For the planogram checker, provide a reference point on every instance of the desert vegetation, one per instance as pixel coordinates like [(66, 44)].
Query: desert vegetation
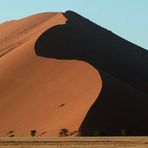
[(124, 132), (33, 133), (11, 133), (99, 133), (64, 132)]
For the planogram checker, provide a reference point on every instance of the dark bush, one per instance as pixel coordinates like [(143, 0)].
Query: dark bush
[(124, 132), (33, 133), (63, 132)]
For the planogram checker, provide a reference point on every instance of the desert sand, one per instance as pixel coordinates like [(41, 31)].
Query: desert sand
[(39, 93), (76, 142), (122, 102), (59, 70)]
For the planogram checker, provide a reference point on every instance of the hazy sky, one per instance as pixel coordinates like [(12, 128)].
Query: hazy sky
[(127, 18)]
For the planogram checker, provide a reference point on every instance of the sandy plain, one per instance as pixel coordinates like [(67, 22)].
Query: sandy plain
[(75, 142)]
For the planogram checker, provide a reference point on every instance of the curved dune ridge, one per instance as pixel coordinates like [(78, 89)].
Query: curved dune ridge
[(123, 100), (17, 32), (59, 70), (38, 93)]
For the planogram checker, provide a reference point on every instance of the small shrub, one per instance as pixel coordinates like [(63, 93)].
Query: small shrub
[(124, 132), (11, 133), (98, 133), (33, 133), (61, 105), (64, 132)]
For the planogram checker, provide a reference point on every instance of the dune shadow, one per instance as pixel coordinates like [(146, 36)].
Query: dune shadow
[(122, 102)]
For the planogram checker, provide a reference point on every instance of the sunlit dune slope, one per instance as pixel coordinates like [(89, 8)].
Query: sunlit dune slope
[(39, 93), (14, 33), (60, 70)]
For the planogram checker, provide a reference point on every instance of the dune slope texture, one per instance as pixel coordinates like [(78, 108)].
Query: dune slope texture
[(38, 93), (123, 100), (59, 70)]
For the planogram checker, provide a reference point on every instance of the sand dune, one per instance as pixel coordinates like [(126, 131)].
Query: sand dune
[(15, 33), (122, 103), (38, 93), (56, 71)]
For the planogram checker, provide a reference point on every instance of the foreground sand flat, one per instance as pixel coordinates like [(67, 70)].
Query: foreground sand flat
[(75, 142)]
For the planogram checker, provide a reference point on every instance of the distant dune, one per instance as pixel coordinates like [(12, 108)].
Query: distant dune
[(59, 70)]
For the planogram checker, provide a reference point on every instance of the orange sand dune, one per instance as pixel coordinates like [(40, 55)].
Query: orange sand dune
[(59, 70), (122, 102), (15, 33), (39, 93)]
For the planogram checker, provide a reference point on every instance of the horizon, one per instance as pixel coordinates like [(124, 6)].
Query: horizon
[(126, 19)]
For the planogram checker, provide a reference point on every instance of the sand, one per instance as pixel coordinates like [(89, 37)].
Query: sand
[(81, 142), (122, 102), (59, 70), (38, 93)]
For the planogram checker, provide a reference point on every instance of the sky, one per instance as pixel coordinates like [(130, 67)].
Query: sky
[(126, 18)]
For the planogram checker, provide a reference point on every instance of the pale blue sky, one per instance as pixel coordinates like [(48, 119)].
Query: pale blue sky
[(127, 18)]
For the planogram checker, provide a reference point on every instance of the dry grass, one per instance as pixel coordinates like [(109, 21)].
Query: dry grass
[(77, 142)]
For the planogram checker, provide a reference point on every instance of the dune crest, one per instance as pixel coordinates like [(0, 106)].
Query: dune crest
[(60, 70), (39, 93), (122, 102), (15, 33)]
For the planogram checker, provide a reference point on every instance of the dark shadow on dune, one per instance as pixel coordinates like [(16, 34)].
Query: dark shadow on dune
[(123, 101)]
